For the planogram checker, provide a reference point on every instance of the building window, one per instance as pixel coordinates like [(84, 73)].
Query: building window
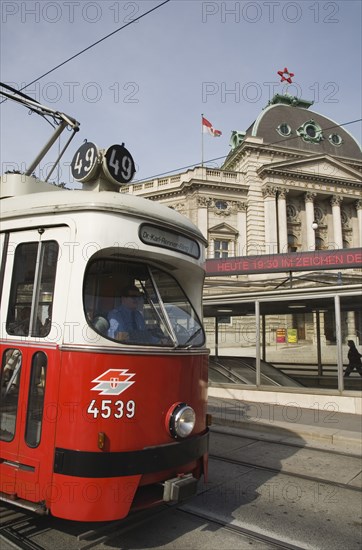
[(292, 243), (221, 205), (284, 129), (224, 320), (221, 249), (335, 139), (311, 132)]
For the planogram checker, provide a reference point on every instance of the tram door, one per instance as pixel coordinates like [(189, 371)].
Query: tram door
[(28, 375)]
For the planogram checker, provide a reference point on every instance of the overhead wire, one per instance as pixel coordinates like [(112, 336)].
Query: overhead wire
[(95, 44), (118, 30), (19, 92)]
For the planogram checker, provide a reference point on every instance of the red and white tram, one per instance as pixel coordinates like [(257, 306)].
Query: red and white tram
[(92, 424)]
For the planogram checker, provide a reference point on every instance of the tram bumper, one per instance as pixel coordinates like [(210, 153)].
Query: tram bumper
[(90, 464), (180, 488)]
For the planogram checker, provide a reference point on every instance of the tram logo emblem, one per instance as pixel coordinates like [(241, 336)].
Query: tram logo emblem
[(113, 382)]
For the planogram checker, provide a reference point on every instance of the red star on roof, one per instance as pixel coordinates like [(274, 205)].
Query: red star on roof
[(286, 75)]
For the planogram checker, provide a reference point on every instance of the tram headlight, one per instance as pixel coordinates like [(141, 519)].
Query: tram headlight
[(180, 420)]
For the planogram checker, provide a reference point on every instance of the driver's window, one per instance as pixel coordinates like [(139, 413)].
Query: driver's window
[(133, 303), (122, 304)]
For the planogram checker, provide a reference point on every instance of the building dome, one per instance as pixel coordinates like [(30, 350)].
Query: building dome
[(288, 122)]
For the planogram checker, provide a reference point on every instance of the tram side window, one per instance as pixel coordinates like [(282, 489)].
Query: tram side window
[(32, 289), (34, 416), (9, 387)]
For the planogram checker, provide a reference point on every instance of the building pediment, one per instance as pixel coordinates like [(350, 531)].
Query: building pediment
[(322, 167), (223, 229)]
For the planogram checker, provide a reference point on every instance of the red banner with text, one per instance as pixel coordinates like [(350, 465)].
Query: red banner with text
[(294, 261)]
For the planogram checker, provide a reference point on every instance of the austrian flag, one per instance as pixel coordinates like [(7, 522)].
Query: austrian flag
[(208, 128)]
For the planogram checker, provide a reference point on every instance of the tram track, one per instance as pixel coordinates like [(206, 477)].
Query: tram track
[(244, 532), (16, 531), (282, 469), (27, 531), (13, 530), (19, 542), (284, 473), (104, 536), (247, 535)]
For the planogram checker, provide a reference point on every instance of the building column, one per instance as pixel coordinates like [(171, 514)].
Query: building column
[(309, 219), (351, 327), (337, 221), (202, 215), (241, 244), (282, 221), (270, 217), (359, 217)]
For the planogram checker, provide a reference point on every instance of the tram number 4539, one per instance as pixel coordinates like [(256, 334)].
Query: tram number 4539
[(109, 409)]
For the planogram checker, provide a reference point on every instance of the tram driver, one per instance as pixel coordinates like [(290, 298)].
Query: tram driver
[(126, 322)]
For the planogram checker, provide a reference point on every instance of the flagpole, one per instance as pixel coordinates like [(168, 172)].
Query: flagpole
[(202, 142)]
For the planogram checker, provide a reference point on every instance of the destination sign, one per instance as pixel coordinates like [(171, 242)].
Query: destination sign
[(277, 263), (164, 238)]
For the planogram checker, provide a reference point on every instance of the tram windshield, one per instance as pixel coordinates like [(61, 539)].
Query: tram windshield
[(133, 303)]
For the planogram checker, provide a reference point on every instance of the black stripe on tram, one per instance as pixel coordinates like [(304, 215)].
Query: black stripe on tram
[(146, 461)]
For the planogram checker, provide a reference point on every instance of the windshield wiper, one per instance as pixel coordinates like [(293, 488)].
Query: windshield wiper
[(157, 314), (192, 337)]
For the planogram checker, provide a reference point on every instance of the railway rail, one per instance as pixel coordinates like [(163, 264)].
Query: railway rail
[(17, 535), (204, 516)]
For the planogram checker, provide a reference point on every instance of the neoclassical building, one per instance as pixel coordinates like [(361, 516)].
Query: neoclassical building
[(291, 182), (305, 172)]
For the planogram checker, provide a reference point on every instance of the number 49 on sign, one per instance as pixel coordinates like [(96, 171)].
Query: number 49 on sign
[(118, 164)]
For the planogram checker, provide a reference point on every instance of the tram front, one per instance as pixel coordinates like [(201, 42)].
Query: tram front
[(136, 363), (111, 368), (137, 368)]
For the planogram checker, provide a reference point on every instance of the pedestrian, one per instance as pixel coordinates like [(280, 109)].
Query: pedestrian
[(354, 358)]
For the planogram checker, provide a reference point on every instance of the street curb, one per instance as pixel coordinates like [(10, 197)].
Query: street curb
[(293, 433)]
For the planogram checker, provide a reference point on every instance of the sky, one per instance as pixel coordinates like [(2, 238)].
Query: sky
[(148, 84)]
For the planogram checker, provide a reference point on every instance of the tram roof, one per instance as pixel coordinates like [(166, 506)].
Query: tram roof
[(38, 204)]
